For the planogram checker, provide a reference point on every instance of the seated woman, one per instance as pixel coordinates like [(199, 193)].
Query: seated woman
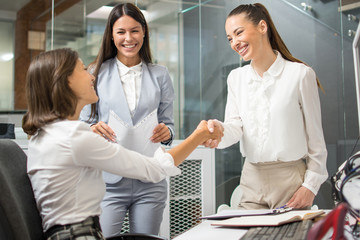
[(66, 159)]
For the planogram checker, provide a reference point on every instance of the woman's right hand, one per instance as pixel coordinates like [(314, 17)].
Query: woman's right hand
[(214, 126), (213, 135), (104, 130)]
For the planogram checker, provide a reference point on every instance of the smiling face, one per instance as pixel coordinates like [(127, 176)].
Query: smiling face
[(128, 37), (244, 37), (81, 83)]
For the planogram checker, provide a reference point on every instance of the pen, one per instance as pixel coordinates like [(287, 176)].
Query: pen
[(282, 209)]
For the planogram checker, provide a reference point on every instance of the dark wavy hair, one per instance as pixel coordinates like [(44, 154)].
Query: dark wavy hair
[(48, 93), (257, 12)]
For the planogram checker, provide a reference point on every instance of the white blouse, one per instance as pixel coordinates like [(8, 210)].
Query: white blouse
[(65, 163), (131, 83), (277, 117)]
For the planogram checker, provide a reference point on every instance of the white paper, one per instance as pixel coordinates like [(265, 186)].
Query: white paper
[(269, 220), (136, 138), (237, 213)]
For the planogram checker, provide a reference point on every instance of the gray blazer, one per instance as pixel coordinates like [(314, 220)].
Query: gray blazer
[(156, 92)]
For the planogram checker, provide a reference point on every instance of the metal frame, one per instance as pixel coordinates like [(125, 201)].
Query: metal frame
[(356, 49), (206, 196)]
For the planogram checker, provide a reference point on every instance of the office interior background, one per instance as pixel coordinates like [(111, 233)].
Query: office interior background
[(188, 37)]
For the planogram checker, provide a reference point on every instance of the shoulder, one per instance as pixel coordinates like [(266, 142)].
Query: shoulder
[(156, 68), (241, 70), (69, 129), (301, 68), (61, 132), (108, 62), (300, 73), (79, 129), (80, 126), (238, 73), (105, 66), (106, 69), (158, 72), (82, 137)]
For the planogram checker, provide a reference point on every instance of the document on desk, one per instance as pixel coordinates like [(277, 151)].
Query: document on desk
[(136, 138), (269, 220), (225, 214)]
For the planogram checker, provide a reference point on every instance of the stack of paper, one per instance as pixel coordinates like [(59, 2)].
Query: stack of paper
[(269, 219)]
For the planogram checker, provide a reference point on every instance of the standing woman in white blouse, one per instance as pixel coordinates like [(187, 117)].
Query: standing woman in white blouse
[(128, 84), (273, 109)]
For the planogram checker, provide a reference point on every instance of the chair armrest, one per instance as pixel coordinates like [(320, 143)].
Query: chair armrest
[(223, 207)]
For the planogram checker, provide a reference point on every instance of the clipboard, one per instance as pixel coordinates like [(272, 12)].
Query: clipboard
[(241, 213)]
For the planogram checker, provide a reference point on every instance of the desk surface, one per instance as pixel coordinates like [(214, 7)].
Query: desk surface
[(204, 231)]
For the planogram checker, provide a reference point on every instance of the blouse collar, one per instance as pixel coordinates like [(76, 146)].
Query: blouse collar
[(274, 70), (125, 69)]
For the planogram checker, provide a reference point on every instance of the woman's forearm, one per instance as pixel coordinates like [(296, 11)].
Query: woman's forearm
[(199, 136), (181, 151)]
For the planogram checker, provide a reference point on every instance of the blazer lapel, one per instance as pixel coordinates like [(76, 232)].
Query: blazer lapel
[(147, 93), (122, 109)]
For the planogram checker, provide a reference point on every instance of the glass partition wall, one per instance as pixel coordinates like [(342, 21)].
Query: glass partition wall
[(6, 65), (189, 38)]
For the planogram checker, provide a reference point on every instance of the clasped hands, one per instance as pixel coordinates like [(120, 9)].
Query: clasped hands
[(216, 132)]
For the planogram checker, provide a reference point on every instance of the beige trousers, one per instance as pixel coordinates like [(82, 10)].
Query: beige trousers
[(270, 185)]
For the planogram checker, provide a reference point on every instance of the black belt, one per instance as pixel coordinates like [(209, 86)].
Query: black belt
[(76, 229)]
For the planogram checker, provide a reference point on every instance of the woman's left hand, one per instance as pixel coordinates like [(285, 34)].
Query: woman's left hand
[(161, 133), (302, 198)]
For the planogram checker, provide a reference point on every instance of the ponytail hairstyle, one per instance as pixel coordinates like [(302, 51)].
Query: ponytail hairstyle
[(257, 12), (108, 49), (48, 93)]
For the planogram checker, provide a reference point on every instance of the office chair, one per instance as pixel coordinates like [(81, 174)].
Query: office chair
[(324, 199), (137, 236), (234, 200), (19, 216)]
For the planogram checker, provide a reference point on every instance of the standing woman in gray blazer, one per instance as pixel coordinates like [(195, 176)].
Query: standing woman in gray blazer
[(129, 84)]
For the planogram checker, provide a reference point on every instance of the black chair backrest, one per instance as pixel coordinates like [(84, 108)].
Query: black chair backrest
[(19, 216)]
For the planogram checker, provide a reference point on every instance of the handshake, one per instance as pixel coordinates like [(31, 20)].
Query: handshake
[(212, 132)]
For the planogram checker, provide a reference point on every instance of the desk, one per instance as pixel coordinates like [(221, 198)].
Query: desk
[(204, 231)]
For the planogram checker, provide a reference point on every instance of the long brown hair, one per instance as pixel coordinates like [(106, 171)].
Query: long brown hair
[(48, 93), (108, 49), (257, 12)]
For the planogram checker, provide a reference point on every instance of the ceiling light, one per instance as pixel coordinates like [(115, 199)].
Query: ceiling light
[(6, 57), (100, 13), (104, 11)]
